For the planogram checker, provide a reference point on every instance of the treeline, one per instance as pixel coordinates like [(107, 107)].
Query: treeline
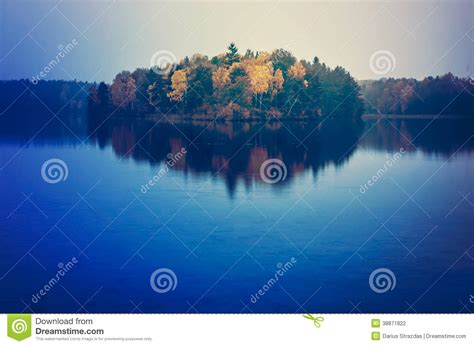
[(51, 95), (31, 109), (233, 86), (447, 94)]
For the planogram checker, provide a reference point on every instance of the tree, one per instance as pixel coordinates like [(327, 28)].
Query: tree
[(260, 78), (123, 89), (406, 95), (260, 73), (232, 54), (277, 82), (179, 85), (200, 86), (220, 77), (297, 71), (157, 94), (143, 77), (282, 60), (103, 94), (249, 54)]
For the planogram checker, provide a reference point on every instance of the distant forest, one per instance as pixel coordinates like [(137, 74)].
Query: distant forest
[(255, 85), (433, 95), (52, 95)]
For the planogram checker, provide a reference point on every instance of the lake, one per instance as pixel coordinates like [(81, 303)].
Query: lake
[(340, 203)]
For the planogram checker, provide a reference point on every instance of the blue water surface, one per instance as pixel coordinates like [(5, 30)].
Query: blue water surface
[(225, 233)]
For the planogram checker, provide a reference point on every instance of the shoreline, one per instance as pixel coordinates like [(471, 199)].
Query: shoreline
[(173, 118), (371, 116)]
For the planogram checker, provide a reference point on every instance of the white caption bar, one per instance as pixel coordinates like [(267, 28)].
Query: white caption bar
[(238, 329)]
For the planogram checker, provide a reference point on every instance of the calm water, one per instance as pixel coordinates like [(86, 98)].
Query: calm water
[(223, 231)]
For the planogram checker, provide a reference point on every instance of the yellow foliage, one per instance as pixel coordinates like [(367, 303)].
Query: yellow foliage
[(260, 78), (179, 84), (220, 77), (260, 73), (263, 58), (277, 81), (297, 71)]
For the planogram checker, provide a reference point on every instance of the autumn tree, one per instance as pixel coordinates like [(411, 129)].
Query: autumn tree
[(260, 73), (220, 77), (297, 71), (123, 90), (260, 78), (179, 85), (277, 82)]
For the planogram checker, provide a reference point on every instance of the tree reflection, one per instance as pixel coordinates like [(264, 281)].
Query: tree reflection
[(232, 150)]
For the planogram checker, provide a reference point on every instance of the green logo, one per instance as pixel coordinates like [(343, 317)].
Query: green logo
[(316, 320), (375, 323), (375, 336), (19, 326)]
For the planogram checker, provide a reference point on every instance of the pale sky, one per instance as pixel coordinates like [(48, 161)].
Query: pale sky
[(424, 37)]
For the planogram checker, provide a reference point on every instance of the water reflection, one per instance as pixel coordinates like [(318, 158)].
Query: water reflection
[(234, 151), (329, 225), (441, 137)]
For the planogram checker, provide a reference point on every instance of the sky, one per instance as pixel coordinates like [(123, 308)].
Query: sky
[(415, 38)]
